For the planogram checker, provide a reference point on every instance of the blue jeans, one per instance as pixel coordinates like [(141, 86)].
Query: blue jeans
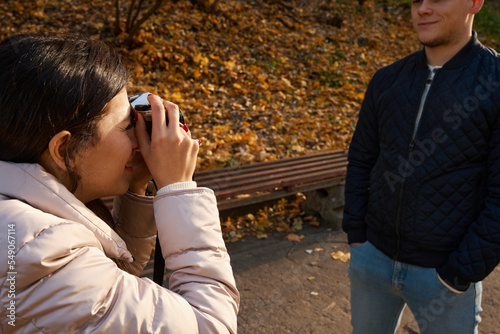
[(382, 287)]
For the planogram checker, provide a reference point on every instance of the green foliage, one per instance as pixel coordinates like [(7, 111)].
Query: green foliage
[(487, 22)]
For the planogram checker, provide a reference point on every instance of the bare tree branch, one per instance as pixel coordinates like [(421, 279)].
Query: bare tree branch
[(128, 25), (117, 17), (136, 15), (137, 24)]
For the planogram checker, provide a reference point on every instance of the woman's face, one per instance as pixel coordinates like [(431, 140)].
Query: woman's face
[(106, 168)]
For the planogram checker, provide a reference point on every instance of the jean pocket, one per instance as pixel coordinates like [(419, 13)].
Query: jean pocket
[(358, 245), (442, 283), (360, 258)]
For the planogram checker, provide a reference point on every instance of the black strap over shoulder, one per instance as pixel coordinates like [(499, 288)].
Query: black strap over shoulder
[(159, 264)]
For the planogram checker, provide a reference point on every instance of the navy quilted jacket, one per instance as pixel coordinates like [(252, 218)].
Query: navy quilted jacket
[(428, 193)]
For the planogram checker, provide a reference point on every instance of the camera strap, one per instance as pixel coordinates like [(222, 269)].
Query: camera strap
[(159, 264), (159, 261)]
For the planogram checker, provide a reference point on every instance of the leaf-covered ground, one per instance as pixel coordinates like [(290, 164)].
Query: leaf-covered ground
[(256, 80), (259, 80)]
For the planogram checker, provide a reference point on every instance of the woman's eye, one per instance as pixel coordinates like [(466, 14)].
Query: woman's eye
[(132, 119)]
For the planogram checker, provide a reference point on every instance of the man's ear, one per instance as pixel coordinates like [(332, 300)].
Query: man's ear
[(476, 6), (57, 148)]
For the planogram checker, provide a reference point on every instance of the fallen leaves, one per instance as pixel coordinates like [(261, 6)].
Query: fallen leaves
[(336, 255), (317, 249), (331, 306), (294, 237), (284, 216), (341, 256)]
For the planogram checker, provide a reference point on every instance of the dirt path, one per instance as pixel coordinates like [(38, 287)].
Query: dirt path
[(289, 287)]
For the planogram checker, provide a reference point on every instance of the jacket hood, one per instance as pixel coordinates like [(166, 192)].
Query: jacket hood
[(30, 183)]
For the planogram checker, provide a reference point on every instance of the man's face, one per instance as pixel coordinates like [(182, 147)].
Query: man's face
[(443, 22)]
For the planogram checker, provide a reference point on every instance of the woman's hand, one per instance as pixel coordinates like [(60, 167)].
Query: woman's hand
[(170, 153), (140, 176)]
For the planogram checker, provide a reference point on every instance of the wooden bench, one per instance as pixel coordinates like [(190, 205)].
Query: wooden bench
[(265, 181)]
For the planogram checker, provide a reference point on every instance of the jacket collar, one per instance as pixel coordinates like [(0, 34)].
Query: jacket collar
[(40, 189), (461, 58)]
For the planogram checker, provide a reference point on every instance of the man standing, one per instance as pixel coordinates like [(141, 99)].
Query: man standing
[(422, 209)]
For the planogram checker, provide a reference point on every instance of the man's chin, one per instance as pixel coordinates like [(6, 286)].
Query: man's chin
[(432, 43), (431, 40)]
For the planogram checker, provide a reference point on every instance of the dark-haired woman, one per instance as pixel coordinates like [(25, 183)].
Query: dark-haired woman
[(68, 137)]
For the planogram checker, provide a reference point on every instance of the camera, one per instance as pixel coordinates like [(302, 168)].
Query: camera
[(141, 104)]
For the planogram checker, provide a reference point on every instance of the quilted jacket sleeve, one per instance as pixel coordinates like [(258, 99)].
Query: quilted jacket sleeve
[(479, 252), (134, 216), (195, 252), (363, 153)]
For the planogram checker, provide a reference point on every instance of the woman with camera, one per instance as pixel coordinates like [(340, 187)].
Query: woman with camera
[(68, 137)]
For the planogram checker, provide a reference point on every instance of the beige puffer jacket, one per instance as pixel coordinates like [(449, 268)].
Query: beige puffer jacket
[(57, 276)]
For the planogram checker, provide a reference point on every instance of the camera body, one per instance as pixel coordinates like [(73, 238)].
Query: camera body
[(141, 104)]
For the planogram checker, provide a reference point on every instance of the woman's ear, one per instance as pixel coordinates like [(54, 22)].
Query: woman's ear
[(57, 148)]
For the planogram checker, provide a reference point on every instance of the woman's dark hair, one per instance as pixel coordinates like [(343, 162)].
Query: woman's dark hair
[(50, 83)]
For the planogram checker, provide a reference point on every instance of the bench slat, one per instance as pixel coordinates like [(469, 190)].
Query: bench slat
[(235, 174), (273, 179), (290, 172), (271, 183), (204, 176), (236, 202)]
